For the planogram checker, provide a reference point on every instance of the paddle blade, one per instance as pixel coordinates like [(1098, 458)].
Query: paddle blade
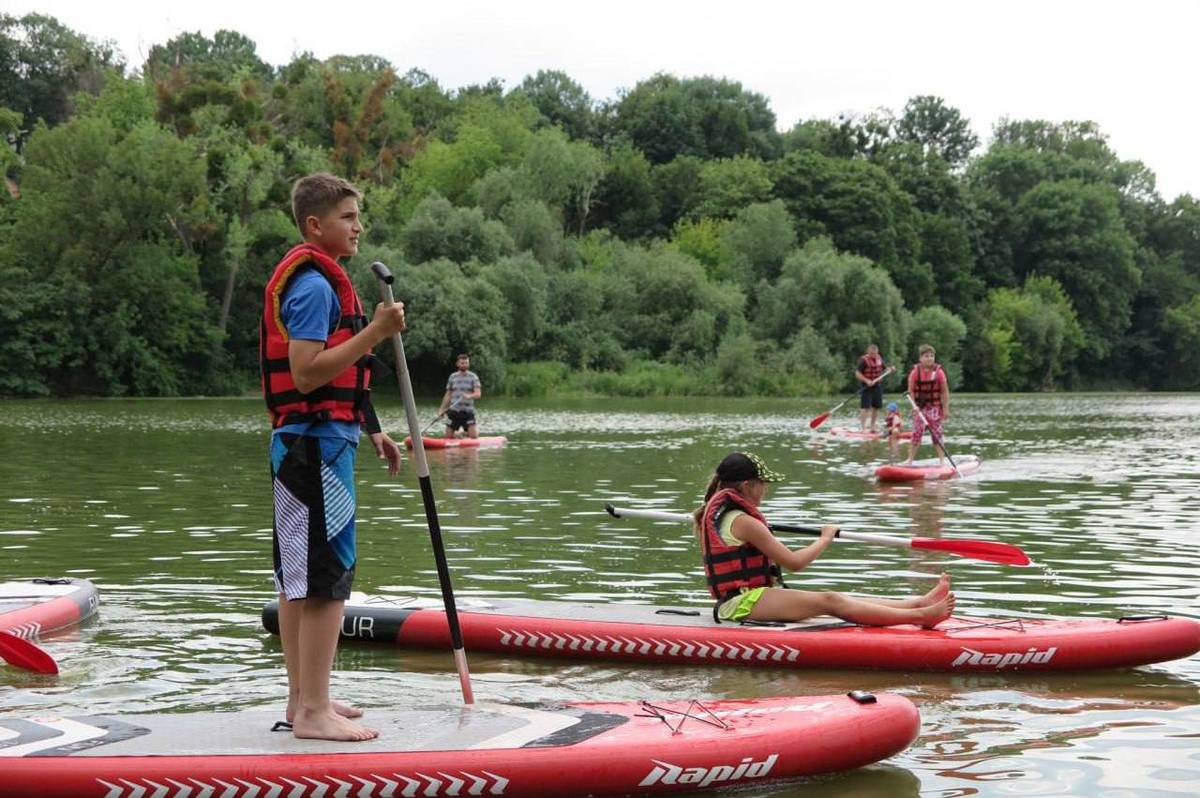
[(818, 421), (23, 654), (988, 551)]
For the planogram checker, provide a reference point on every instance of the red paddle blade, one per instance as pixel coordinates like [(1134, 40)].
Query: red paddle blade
[(988, 551), (818, 421), (23, 654)]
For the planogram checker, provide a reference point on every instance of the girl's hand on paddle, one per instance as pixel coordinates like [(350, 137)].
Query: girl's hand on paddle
[(828, 532), (387, 449)]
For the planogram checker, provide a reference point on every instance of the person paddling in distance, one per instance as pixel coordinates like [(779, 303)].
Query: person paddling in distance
[(870, 372), (742, 558), (930, 390), (316, 374), (458, 403)]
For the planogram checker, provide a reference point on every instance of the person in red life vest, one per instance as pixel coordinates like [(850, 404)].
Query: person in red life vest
[(315, 348), (930, 390), (870, 372), (742, 559)]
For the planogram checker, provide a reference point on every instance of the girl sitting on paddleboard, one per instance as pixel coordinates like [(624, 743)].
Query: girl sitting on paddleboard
[(742, 559)]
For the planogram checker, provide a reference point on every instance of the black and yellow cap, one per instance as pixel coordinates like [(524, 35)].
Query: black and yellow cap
[(738, 466)]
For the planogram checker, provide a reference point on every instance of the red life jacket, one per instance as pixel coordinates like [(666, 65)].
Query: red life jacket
[(870, 366), (731, 568), (927, 392), (342, 398)]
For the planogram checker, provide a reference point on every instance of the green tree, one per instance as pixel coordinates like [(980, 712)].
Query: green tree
[(625, 200), (757, 240), (43, 65), (220, 58), (730, 184), (944, 331), (1027, 337), (845, 298), (561, 102), (937, 128), (437, 229)]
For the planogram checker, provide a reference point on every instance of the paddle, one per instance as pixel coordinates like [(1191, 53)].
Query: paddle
[(439, 415), (986, 550), (937, 439), (435, 530), (821, 419), (21, 653)]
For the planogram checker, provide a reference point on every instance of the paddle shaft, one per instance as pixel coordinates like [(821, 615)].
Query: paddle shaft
[(819, 420), (938, 439), (986, 550), (435, 530)]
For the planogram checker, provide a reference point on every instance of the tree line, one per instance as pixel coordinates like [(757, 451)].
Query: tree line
[(671, 240)]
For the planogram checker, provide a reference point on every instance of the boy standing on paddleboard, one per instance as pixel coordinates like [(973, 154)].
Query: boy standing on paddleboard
[(929, 389), (315, 346)]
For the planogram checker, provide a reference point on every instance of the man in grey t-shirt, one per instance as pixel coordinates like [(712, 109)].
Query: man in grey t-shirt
[(458, 404)]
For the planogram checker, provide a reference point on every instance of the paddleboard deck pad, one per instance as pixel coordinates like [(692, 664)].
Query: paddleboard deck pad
[(30, 608), (921, 470), (569, 749), (688, 635), (458, 443)]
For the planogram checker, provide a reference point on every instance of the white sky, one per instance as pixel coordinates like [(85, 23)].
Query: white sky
[(1130, 66)]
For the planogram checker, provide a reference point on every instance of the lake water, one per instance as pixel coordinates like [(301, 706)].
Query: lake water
[(165, 505)]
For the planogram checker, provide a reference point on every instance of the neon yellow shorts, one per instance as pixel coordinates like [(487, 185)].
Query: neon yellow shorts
[(737, 608)]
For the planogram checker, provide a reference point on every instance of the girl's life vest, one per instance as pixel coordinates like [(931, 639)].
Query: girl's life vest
[(870, 366), (927, 388), (894, 421), (730, 569), (343, 397)]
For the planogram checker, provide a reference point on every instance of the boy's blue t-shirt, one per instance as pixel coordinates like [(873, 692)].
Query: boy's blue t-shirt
[(310, 310)]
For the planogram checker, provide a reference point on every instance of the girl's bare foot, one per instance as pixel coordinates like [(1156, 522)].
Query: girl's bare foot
[(329, 726), (937, 612), (941, 589), (345, 710)]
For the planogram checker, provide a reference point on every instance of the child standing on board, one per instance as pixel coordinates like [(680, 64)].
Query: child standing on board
[(316, 357), (742, 559), (929, 389)]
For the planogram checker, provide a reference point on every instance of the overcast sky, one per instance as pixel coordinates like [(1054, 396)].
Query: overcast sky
[(1130, 66)]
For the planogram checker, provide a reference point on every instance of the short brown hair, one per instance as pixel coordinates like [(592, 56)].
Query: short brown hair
[(923, 348), (317, 194)]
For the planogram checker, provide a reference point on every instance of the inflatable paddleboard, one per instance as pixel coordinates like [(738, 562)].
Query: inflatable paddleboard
[(544, 751), (32, 607), (458, 443), (860, 435), (928, 469), (688, 635)]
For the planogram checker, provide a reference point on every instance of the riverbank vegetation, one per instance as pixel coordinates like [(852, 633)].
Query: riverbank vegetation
[(670, 240)]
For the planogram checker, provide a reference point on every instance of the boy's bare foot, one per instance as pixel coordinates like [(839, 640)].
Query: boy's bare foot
[(329, 726), (937, 612), (345, 710)]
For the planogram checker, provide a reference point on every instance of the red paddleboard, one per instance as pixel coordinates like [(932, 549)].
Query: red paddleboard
[(458, 443), (922, 470), (857, 434), (32, 607), (558, 750), (689, 636)]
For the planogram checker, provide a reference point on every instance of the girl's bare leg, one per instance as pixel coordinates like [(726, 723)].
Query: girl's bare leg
[(779, 604)]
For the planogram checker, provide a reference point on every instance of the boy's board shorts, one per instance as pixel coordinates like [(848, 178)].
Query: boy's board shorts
[(738, 608), (872, 397), (934, 414), (459, 419), (313, 541)]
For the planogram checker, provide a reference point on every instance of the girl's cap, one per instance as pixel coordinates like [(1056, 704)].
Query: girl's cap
[(738, 466), (892, 408)]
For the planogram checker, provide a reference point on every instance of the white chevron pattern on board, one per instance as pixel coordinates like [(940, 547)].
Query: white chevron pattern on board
[(368, 785), (28, 631), (605, 644)]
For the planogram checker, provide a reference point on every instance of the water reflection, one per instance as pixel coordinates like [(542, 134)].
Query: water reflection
[(165, 504)]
